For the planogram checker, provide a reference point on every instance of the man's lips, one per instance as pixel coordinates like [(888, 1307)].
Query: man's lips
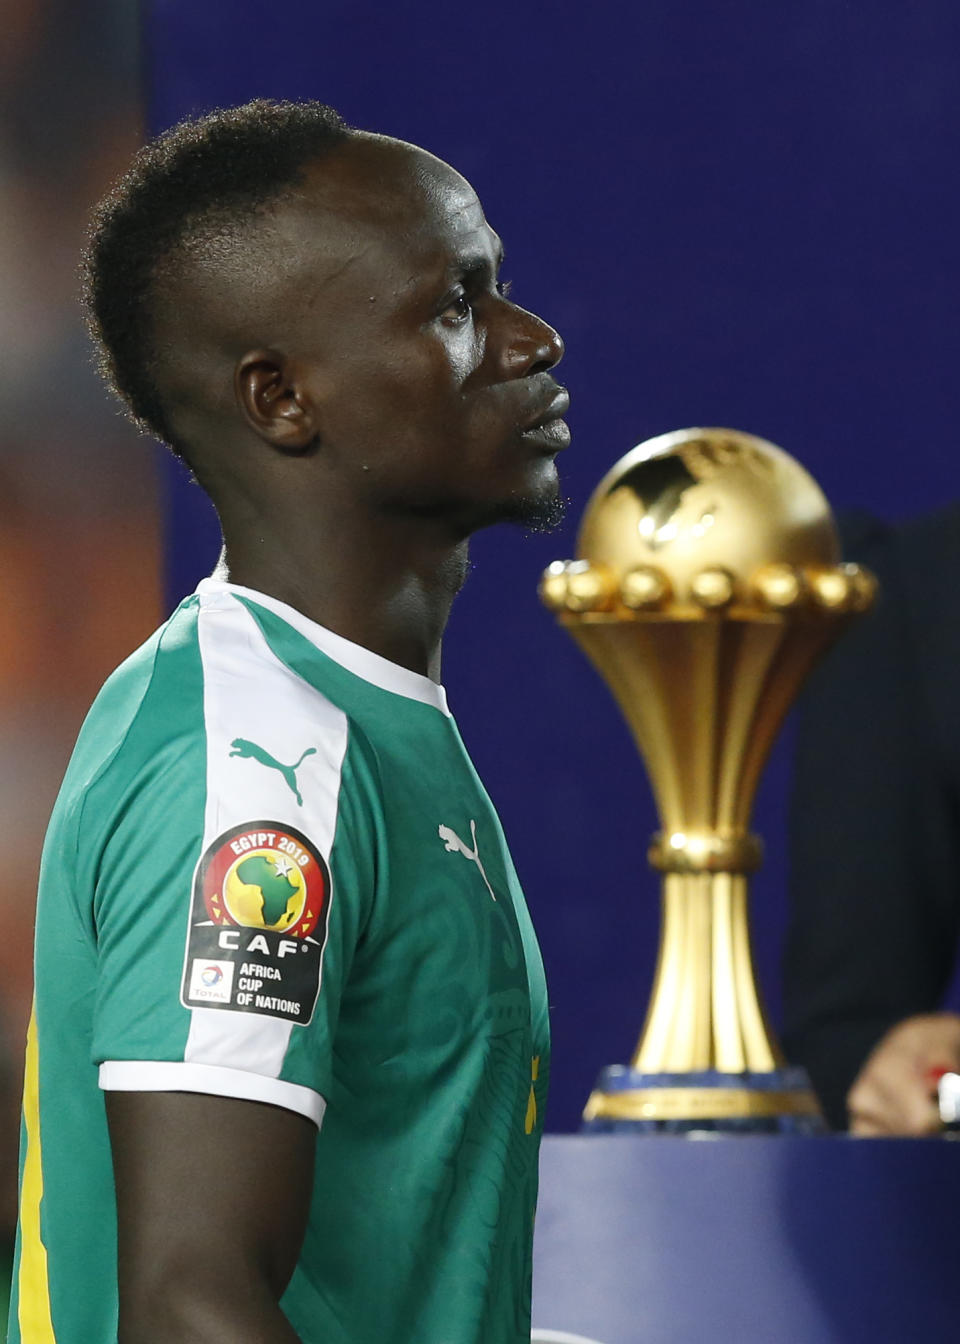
[(556, 406), (551, 437)]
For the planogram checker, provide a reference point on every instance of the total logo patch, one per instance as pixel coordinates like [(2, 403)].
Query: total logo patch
[(211, 981), (258, 924)]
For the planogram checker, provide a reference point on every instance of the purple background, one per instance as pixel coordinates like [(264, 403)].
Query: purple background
[(740, 215)]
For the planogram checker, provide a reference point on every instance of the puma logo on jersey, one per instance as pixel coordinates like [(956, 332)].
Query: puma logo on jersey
[(454, 845), (250, 750)]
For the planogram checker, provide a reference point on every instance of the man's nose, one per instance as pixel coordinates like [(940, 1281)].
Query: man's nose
[(532, 346)]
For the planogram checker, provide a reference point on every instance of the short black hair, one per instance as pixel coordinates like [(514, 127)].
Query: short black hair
[(214, 169)]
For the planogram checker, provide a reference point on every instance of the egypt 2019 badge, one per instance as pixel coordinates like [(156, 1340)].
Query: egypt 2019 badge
[(258, 923)]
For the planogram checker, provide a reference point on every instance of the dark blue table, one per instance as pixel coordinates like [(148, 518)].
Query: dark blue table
[(748, 1240)]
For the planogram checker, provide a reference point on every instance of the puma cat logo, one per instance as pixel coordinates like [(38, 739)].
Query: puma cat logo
[(454, 845), (250, 750)]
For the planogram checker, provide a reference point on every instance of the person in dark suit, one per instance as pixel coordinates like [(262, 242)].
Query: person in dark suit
[(875, 841)]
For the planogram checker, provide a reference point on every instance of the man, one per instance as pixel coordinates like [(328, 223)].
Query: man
[(275, 897), (875, 854)]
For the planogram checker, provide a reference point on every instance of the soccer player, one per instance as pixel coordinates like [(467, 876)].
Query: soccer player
[(286, 1071)]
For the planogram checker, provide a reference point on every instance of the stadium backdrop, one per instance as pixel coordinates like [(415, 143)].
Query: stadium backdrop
[(740, 214)]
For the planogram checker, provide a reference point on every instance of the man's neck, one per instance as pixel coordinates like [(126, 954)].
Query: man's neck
[(390, 592)]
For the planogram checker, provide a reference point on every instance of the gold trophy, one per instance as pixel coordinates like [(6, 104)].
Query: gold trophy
[(706, 586)]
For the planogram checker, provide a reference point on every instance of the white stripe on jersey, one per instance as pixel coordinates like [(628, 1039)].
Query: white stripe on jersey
[(249, 693)]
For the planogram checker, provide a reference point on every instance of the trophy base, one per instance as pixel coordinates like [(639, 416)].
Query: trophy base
[(629, 1102)]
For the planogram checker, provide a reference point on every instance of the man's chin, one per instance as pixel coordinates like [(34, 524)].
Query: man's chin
[(535, 513), (537, 507), (534, 502)]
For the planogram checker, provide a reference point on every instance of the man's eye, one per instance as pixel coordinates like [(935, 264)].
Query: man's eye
[(457, 310)]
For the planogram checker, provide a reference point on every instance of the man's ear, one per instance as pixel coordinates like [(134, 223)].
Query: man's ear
[(274, 401)]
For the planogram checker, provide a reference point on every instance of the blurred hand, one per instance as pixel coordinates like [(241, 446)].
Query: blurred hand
[(895, 1092)]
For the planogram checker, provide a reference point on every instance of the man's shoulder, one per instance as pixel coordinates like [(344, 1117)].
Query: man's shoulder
[(910, 638), (139, 727), (885, 545), (155, 694)]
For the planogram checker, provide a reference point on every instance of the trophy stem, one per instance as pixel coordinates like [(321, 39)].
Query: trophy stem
[(705, 1012), (706, 1058)]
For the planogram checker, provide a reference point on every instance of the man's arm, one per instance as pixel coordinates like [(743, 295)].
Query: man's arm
[(212, 1202), (875, 844)]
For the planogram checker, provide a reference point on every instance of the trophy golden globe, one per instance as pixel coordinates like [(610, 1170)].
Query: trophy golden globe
[(707, 584)]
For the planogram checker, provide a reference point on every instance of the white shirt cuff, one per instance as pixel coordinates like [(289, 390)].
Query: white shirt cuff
[(139, 1075)]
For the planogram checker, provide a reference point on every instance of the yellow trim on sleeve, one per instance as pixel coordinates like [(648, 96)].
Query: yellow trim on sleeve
[(36, 1325), (531, 1117)]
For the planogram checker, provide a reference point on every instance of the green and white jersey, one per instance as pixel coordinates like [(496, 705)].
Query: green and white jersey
[(272, 873)]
